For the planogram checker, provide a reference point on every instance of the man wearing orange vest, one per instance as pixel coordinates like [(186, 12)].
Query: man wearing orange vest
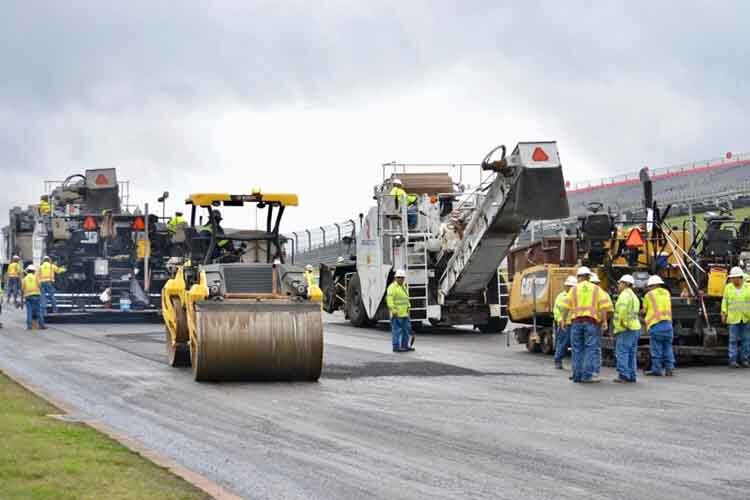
[(31, 290), (735, 313), (587, 307), (47, 273), (657, 309)]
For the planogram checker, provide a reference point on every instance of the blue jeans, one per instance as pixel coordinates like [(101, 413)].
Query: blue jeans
[(48, 291), (583, 339), (562, 342), (411, 216), (400, 332), (662, 354), (33, 308), (739, 333), (14, 289), (598, 354), (626, 345)]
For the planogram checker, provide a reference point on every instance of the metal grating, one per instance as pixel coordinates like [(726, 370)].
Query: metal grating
[(249, 279)]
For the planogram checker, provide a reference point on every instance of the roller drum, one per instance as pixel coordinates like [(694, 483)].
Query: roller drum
[(257, 340)]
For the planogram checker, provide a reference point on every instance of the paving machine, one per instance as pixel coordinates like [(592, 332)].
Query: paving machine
[(450, 241), (234, 310)]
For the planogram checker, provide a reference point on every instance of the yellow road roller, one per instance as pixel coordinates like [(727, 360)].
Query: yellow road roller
[(234, 310)]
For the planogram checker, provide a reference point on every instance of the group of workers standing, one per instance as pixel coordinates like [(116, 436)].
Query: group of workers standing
[(33, 288), (583, 312)]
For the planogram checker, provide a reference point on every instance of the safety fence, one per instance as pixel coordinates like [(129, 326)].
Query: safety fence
[(323, 244)]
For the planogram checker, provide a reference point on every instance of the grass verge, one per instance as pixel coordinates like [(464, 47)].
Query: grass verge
[(42, 457)]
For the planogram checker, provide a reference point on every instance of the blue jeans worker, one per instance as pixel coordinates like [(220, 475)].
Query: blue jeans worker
[(13, 291), (399, 304), (735, 313), (32, 297), (657, 310), (583, 335), (627, 329), (47, 274)]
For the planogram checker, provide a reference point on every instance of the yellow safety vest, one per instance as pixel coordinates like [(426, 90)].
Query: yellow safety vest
[(310, 278), (397, 300), (411, 199), (31, 285), (47, 272), (658, 306), (174, 222), (626, 312), (44, 207), (736, 304), (14, 270), (587, 300), (558, 311)]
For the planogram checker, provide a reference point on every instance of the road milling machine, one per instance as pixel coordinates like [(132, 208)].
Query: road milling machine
[(693, 260), (450, 240), (234, 310)]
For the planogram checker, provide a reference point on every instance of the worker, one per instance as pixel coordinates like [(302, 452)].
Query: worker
[(397, 300), (735, 313), (175, 222), (222, 245), (310, 275), (585, 306), (604, 327), (31, 291), (627, 329), (403, 197), (562, 338), (13, 274), (657, 311), (48, 271), (44, 208)]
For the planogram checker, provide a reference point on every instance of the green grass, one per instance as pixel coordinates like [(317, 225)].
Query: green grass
[(45, 458)]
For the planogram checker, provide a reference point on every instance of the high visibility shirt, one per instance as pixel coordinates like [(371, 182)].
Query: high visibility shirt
[(735, 304), (206, 228), (14, 270), (397, 191), (310, 278), (397, 300), (626, 312), (44, 208), (557, 310), (47, 272), (657, 305), (174, 222), (30, 285), (586, 300)]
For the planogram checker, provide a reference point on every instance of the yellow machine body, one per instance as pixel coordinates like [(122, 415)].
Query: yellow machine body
[(534, 291)]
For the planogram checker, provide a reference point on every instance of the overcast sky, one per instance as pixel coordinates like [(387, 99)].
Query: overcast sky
[(311, 97)]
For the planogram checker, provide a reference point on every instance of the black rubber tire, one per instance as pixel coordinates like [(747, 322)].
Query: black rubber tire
[(547, 345), (178, 354), (532, 347), (355, 307), (494, 325)]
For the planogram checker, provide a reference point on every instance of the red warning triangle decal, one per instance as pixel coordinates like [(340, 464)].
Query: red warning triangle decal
[(101, 180), (634, 239), (539, 155)]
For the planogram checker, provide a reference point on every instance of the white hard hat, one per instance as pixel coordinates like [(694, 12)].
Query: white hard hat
[(583, 271), (654, 280), (309, 267), (30, 268), (46, 257), (626, 278), (595, 278), (396, 180), (400, 273), (571, 281), (339, 260), (16, 257), (736, 272)]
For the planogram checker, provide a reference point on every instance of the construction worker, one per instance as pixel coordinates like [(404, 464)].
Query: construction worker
[(222, 245), (562, 338), (627, 329), (175, 222), (310, 275), (397, 300), (48, 271), (585, 305), (657, 310), (735, 313), (13, 288), (31, 291), (44, 208), (403, 197), (596, 281)]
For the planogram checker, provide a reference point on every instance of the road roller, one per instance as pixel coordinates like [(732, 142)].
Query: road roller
[(234, 310)]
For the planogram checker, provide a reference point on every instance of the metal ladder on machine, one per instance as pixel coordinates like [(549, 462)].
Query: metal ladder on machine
[(503, 294), (418, 278)]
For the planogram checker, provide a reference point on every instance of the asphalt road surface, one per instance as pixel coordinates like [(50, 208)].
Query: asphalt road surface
[(462, 417)]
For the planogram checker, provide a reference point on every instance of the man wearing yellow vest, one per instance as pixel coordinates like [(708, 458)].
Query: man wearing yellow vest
[(13, 288), (44, 207), (47, 273), (657, 308), (403, 197), (627, 329), (735, 313), (175, 222), (397, 300), (32, 290), (587, 307), (562, 337)]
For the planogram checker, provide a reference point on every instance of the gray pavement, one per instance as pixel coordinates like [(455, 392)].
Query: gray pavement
[(463, 417)]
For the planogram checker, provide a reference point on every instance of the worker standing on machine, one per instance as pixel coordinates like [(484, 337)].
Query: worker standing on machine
[(657, 309), (175, 222), (586, 305), (562, 336), (627, 329), (397, 300), (309, 276), (44, 207), (403, 197), (48, 271), (13, 285), (735, 313), (31, 290)]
